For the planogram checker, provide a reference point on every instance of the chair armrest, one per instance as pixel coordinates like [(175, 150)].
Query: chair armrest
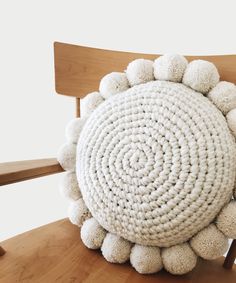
[(12, 172)]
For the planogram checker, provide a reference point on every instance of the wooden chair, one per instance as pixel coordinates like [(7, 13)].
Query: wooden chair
[(54, 253)]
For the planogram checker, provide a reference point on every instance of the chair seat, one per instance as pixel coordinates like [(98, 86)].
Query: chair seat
[(55, 253)]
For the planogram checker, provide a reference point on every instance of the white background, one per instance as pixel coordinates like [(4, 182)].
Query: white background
[(33, 117)]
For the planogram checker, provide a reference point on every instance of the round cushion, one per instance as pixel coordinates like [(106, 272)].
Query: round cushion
[(156, 163)]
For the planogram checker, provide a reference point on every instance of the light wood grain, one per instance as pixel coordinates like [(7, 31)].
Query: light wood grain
[(11, 172), (78, 69), (55, 253)]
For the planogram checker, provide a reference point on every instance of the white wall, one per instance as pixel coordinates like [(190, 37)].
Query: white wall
[(33, 118)]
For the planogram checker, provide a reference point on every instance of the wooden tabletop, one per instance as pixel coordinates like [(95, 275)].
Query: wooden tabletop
[(54, 253)]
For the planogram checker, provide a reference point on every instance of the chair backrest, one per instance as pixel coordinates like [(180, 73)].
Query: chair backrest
[(78, 69)]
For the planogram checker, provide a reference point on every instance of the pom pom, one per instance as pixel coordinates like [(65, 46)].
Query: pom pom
[(226, 221), (170, 67), (115, 249), (179, 259), (231, 120), (146, 259), (92, 234), (90, 102), (78, 212), (210, 243), (140, 71), (223, 95), (201, 76), (113, 83), (67, 156), (69, 186), (74, 128)]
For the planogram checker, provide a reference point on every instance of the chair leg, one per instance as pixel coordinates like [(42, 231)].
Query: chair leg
[(231, 256), (2, 251)]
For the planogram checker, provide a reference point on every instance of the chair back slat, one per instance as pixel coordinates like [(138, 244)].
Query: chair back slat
[(78, 69)]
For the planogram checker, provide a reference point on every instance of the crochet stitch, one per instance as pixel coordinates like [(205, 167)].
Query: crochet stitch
[(151, 165), (155, 164)]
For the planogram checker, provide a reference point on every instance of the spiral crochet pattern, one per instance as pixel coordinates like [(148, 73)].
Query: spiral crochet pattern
[(152, 165), (156, 163)]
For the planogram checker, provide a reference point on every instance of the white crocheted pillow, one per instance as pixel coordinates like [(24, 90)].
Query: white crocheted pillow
[(155, 158)]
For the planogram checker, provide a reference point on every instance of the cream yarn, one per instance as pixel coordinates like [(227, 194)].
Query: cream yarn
[(201, 75), (113, 83), (223, 95), (170, 67), (78, 212), (231, 120), (116, 249), (66, 156), (151, 159), (69, 186), (156, 165), (140, 71), (90, 102), (92, 234), (210, 243), (226, 220), (74, 128), (179, 259), (146, 259)]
